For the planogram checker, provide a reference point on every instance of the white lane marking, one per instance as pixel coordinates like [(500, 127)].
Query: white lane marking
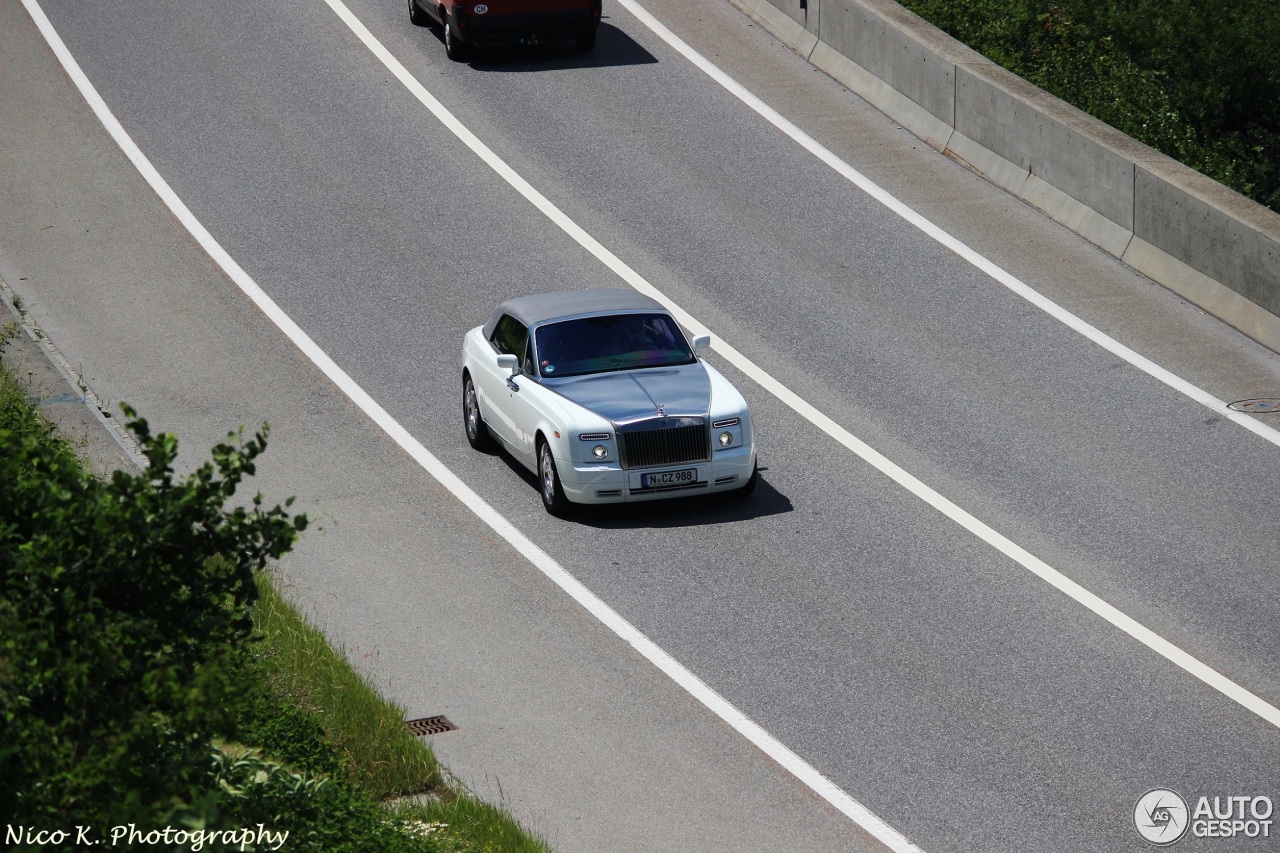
[(873, 457), (712, 700), (988, 267), (718, 705)]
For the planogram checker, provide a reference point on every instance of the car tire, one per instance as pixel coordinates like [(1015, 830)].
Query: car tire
[(585, 43), (454, 47), (743, 493), (472, 423), (417, 15), (553, 498)]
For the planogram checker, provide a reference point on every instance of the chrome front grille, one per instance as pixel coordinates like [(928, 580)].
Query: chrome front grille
[(667, 441)]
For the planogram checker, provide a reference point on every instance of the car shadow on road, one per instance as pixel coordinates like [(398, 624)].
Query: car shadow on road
[(613, 47), (691, 511)]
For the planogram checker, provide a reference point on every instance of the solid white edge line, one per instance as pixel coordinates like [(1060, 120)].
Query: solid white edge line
[(940, 236), (996, 540), (712, 700), (686, 679)]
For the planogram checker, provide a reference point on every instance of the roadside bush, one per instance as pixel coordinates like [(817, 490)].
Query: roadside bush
[(151, 675), (121, 601), (320, 813), (1198, 80)]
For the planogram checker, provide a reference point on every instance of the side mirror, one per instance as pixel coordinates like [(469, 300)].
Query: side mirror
[(700, 342), (508, 362)]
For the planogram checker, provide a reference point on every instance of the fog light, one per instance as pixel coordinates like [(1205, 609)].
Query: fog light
[(600, 451), (726, 439)]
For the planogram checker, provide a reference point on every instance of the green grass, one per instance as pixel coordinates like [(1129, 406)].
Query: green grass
[(368, 734), (367, 731), (472, 825), (313, 747)]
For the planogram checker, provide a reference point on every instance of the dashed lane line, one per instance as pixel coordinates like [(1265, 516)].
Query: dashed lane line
[(716, 703)]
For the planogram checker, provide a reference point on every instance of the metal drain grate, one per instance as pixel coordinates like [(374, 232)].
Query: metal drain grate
[(1259, 406), (430, 726)]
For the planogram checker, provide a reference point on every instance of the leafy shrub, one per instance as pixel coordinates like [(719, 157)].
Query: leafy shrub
[(1198, 80), (285, 731), (120, 602), (129, 683), (320, 813)]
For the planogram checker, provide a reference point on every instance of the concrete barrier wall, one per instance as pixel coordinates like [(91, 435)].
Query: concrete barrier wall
[(1045, 137), (882, 34), (1205, 242)]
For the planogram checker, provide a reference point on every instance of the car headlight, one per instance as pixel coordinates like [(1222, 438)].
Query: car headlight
[(594, 447), (728, 433)]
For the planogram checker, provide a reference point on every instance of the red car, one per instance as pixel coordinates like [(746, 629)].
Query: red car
[(468, 23)]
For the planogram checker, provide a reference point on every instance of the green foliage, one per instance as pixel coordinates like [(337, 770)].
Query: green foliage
[(10, 328), (8, 332), (324, 814), (368, 732), (130, 682), (311, 710), (120, 601), (287, 732), (1198, 80), (467, 824)]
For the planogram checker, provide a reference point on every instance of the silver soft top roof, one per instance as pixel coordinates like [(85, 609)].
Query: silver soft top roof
[(541, 307)]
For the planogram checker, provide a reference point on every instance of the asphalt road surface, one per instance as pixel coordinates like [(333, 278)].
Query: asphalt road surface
[(965, 701)]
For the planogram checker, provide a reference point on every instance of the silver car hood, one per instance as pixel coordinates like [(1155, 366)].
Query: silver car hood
[(632, 395)]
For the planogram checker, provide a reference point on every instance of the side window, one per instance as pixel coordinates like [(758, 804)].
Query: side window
[(509, 336)]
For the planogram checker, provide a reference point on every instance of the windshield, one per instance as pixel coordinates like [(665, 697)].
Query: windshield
[(614, 342)]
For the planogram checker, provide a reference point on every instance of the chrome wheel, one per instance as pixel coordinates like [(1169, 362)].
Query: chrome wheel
[(552, 493), (472, 412), (548, 475), (472, 424)]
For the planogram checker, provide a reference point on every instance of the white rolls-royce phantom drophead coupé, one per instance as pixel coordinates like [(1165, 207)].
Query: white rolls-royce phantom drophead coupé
[(600, 395)]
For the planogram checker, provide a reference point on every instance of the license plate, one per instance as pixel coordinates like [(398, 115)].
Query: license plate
[(669, 478)]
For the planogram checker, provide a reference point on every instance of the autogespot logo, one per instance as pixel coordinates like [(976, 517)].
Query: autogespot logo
[(1161, 816)]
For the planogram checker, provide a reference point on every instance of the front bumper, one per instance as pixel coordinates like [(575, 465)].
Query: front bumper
[(606, 484)]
